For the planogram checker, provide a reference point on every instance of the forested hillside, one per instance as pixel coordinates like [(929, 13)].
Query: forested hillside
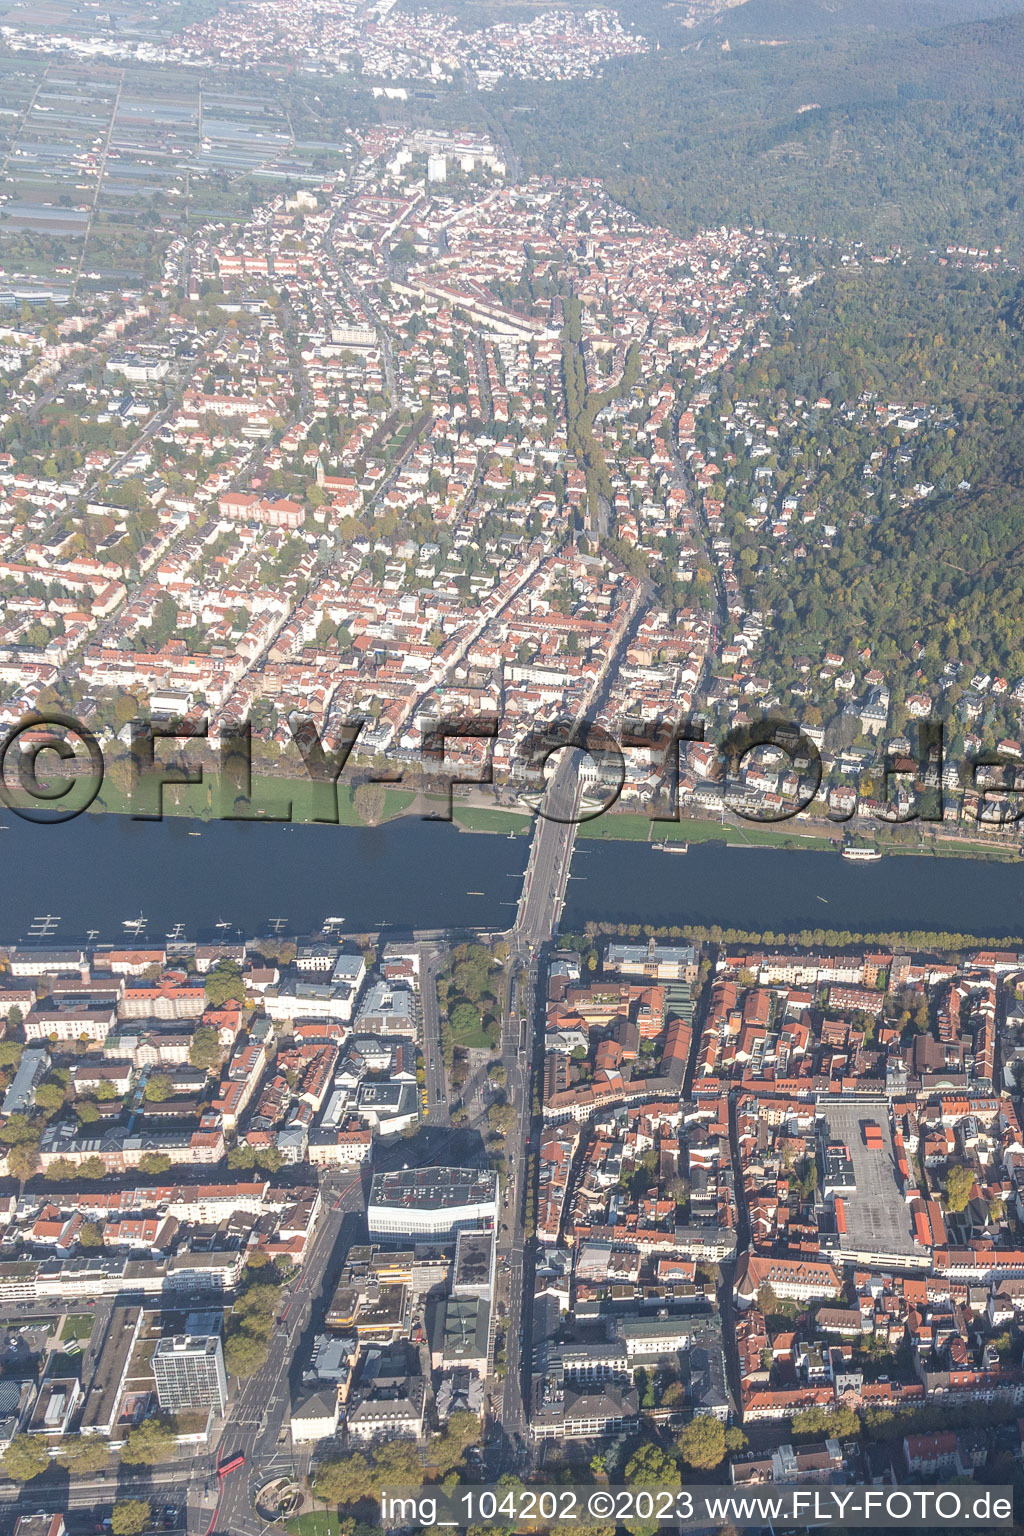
[(915, 541), (889, 138), (790, 19)]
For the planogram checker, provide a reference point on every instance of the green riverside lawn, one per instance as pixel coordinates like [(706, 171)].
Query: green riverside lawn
[(311, 803), (270, 798)]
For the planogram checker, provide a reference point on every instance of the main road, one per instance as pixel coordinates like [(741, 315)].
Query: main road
[(432, 960), (257, 1423), (512, 1255), (547, 869), (536, 924)]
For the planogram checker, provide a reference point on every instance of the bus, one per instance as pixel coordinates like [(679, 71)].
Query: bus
[(231, 1465)]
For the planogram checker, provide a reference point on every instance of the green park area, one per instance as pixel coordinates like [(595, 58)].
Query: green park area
[(272, 799), (478, 819), (77, 1327), (632, 827), (470, 992), (315, 1522), (298, 800)]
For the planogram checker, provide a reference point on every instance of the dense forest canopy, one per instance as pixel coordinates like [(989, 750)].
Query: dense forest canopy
[(790, 19), (926, 582), (877, 137)]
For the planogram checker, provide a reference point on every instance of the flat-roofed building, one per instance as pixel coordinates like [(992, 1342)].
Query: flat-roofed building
[(301, 996), (113, 1358), (419, 1204), (474, 1264), (189, 1372), (387, 1108), (55, 1406), (39, 1525)]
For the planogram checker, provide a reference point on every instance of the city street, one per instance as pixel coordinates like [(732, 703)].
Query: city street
[(261, 1409), (432, 961), (536, 924)]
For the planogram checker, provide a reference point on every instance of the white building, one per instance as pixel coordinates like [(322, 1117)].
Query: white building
[(189, 1371), (430, 1204), (315, 1415)]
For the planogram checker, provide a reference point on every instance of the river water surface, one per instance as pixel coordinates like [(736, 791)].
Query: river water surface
[(98, 872)]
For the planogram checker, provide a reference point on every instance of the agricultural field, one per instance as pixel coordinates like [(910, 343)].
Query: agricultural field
[(102, 166)]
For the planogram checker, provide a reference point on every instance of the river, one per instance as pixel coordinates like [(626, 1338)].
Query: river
[(762, 889), (99, 871)]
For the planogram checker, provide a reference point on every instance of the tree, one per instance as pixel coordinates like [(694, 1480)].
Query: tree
[(92, 1168), (204, 1050), (582, 1527), (23, 1160), (501, 1118), (159, 1088), (154, 1163), (702, 1442), (347, 1481), (126, 707), (150, 1442), (18, 1129), (650, 1467), (369, 803), (130, 1517), (257, 1305), (959, 1183), (461, 1431), (244, 1354), (397, 1464), (465, 1018), (50, 1096), (83, 1454), (224, 984), (90, 1234), (25, 1458), (678, 1189), (767, 1301), (832, 1423), (62, 1168)]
